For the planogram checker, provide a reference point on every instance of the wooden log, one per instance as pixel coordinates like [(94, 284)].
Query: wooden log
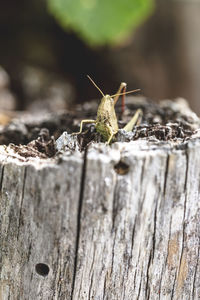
[(113, 222), (39, 204)]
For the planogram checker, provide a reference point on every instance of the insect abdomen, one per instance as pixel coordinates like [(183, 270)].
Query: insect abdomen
[(103, 129)]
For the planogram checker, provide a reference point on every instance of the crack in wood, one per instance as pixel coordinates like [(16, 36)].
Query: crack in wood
[(132, 240), (181, 272), (1, 180), (91, 272), (140, 284), (21, 202), (147, 288), (79, 220), (104, 287), (160, 282), (187, 168), (154, 228), (166, 174), (169, 237), (114, 207), (113, 254), (90, 286), (142, 172), (173, 287), (58, 282), (195, 271)]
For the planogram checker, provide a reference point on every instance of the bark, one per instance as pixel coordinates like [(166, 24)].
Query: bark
[(119, 222)]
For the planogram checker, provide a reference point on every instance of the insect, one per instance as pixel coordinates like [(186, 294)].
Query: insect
[(106, 122)]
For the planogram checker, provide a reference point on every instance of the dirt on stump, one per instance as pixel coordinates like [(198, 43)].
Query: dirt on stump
[(32, 136)]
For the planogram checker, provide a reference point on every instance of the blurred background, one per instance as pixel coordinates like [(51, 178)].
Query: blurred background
[(48, 47)]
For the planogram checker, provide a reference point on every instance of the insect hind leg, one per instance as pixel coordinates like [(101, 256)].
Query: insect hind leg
[(133, 121), (123, 85)]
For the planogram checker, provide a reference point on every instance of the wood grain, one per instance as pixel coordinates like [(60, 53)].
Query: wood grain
[(115, 222)]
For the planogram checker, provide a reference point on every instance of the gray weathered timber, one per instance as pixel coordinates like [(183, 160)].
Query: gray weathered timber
[(120, 222), (38, 210), (140, 232)]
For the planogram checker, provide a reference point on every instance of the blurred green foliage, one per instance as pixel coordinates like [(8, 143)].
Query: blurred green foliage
[(101, 22)]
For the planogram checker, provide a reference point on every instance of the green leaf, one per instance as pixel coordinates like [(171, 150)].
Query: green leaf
[(101, 22)]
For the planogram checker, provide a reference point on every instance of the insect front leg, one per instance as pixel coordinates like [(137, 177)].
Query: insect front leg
[(112, 133), (133, 121), (81, 126)]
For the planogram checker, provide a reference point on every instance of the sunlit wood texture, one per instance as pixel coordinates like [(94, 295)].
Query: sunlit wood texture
[(119, 222)]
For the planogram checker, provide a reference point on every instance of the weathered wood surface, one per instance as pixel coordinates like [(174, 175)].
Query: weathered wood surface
[(139, 239), (39, 204), (119, 222)]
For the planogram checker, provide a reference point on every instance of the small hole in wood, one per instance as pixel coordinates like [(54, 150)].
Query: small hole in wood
[(42, 269), (121, 168)]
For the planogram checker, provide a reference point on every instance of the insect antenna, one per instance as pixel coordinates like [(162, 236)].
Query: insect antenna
[(129, 92), (96, 86)]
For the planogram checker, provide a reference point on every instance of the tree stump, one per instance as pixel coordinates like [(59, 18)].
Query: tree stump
[(110, 222)]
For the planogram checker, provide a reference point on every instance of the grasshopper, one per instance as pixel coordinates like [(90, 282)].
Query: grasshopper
[(106, 122)]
